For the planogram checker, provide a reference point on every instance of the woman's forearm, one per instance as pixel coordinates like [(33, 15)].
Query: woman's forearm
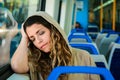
[(19, 61)]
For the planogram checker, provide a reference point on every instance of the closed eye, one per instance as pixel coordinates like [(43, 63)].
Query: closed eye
[(41, 32)]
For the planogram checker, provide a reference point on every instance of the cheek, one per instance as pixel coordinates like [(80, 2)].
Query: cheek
[(36, 45), (48, 38)]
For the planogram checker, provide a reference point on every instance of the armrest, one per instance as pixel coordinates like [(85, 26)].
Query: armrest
[(16, 76)]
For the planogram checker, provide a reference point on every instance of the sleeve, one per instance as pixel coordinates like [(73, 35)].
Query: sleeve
[(93, 76), (83, 58), (87, 60)]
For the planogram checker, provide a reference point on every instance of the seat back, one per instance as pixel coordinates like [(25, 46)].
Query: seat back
[(114, 61), (105, 43), (79, 38), (80, 69), (90, 47), (99, 38), (107, 30), (100, 61)]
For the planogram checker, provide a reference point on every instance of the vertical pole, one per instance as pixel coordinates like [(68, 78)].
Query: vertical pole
[(101, 15), (114, 15)]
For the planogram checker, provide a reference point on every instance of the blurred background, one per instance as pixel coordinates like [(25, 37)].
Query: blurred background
[(98, 19)]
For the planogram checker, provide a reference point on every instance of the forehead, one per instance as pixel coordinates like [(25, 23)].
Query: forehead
[(34, 28)]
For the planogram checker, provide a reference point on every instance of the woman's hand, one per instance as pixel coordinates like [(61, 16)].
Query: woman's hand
[(23, 32), (24, 35)]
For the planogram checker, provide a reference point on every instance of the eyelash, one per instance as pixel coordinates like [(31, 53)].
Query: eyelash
[(39, 33), (42, 32)]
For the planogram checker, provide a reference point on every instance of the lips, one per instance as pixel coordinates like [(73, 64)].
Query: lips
[(43, 46)]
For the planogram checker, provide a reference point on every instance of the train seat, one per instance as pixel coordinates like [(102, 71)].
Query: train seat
[(105, 73), (90, 47), (105, 43), (114, 61), (100, 61)]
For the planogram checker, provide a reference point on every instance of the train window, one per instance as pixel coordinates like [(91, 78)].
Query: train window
[(2, 20), (6, 24), (18, 8), (5, 20)]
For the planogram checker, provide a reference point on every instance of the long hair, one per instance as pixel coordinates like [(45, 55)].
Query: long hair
[(60, 54)]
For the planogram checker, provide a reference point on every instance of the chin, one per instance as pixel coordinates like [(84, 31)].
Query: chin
[(46, 51)]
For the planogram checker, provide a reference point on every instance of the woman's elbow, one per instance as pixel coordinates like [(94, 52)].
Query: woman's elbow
[(19, 69)]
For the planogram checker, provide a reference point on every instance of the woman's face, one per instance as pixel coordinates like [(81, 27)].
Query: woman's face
[(40, 36)]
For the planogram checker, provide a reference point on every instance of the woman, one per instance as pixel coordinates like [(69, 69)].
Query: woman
[(44, 46)]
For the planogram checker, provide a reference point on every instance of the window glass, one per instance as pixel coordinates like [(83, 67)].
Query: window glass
[(18, 8), (10, 11)]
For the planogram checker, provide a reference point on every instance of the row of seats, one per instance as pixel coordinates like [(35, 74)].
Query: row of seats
[(82, 40), (102, 49), (100, 45), (108, 44), (87, 45)]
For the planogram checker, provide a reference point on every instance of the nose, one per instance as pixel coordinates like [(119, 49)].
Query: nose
[(38, 39)]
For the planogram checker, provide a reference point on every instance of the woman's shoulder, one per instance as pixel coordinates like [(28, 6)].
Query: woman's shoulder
[(81, 57), (81, 52)]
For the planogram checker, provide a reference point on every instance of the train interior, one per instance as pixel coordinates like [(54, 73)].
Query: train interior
[(99, 33)]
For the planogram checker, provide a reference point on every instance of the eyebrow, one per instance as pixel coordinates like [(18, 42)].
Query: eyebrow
[(36, 33)]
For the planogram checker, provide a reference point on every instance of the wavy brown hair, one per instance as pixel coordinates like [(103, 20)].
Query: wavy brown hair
[(60, 54)]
